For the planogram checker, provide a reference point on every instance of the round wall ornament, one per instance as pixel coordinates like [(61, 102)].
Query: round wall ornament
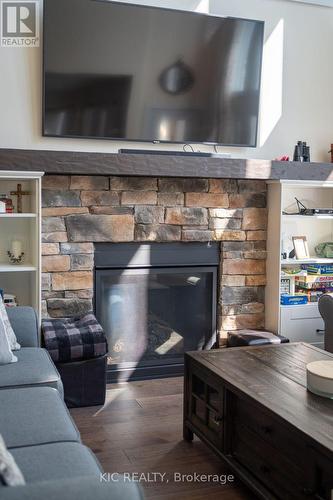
[(177, 78)]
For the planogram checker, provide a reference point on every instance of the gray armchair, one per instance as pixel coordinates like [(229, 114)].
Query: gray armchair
[(325, 305)]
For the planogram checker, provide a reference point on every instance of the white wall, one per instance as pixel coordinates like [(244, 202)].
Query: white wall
[(297, 95)]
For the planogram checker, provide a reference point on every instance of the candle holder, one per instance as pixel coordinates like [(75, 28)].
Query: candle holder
[(15, 260)]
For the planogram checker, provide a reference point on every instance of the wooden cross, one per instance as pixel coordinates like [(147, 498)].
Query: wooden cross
[(19, 193)]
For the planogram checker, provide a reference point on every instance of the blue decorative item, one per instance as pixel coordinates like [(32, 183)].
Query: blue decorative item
[(293, 300)]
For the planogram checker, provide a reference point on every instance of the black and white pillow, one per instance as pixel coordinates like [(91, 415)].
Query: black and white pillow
[(10, 474), (6, 355), (14, 345), (74, 339)]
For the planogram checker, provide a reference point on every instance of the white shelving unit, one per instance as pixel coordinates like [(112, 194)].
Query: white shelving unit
[(22, 280), (302, 322)]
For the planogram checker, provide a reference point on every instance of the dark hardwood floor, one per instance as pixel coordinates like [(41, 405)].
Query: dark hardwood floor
[(139, 429)]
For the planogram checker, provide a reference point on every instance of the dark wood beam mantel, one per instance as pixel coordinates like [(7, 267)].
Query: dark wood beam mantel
[(86, 163)]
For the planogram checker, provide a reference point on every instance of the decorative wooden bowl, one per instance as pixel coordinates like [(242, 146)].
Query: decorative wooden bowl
[(320, 378)]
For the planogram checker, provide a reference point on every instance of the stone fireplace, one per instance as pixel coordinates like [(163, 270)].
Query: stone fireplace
[(80, 211)]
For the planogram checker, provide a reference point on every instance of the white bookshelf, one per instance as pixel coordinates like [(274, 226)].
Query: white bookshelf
[(22, 280), (301, 322)]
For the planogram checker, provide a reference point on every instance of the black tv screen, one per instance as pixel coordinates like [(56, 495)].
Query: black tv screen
[(129, 72)]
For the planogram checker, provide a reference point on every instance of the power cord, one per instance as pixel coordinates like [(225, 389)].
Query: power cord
[(301, 208), (191, 148), (188, 147)]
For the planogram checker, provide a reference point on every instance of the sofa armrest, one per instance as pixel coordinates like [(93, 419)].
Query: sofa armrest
[(84, 488), (25, 325)]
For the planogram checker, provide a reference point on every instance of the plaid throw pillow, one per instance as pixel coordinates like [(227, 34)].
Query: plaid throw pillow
[(74, 339)]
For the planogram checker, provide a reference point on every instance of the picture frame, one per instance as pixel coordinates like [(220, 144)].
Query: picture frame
[(301, 247)]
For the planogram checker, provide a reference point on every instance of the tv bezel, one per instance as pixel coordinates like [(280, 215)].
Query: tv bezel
[(155, 141)]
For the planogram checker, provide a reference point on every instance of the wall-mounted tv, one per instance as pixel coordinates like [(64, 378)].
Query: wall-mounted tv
[(136, 73)]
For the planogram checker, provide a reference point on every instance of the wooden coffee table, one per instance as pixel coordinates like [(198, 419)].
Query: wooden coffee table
[(251, 406)]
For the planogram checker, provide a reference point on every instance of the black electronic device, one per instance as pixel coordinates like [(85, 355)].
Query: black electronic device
[(165, 152), (302, 152), (323, 211), (137, 73), (303, 210)]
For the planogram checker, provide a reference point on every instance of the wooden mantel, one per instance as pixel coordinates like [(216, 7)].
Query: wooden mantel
[(85, 163)]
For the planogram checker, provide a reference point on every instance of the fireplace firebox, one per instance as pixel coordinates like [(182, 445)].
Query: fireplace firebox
[(155, 302)]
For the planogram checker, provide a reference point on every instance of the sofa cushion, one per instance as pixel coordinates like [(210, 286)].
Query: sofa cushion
[(33, 416), (55, 461), (34, 368), (83, 488)]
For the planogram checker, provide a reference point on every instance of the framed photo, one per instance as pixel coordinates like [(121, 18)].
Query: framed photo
[(301, 247)]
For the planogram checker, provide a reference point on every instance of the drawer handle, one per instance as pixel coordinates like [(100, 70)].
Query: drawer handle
[(267, 430), (264, 469), (308, 492)]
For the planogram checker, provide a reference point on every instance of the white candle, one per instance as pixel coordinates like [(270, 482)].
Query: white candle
[(16, 248)]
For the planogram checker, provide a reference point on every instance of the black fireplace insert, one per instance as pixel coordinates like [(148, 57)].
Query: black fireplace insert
[(155, 302)]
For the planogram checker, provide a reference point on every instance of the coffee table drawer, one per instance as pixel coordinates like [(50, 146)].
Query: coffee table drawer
[(281, 476), (268, 428)]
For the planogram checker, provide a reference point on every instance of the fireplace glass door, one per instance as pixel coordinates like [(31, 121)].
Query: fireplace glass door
[(151, 316)]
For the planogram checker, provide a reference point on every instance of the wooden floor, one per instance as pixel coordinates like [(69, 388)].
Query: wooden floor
[(139, 429)]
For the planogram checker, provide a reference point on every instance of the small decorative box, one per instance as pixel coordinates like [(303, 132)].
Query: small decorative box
[(320, 378), (293, 300)]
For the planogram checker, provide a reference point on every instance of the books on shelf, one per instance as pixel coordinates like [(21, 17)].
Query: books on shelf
[(305, 284)]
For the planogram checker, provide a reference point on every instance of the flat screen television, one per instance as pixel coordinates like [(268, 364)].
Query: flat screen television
[(136, 73)]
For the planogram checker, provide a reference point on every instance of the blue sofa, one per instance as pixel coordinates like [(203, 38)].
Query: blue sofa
[(39, 431)]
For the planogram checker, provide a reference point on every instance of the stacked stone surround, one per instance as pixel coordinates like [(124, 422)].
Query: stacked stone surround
[(81, 210)]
